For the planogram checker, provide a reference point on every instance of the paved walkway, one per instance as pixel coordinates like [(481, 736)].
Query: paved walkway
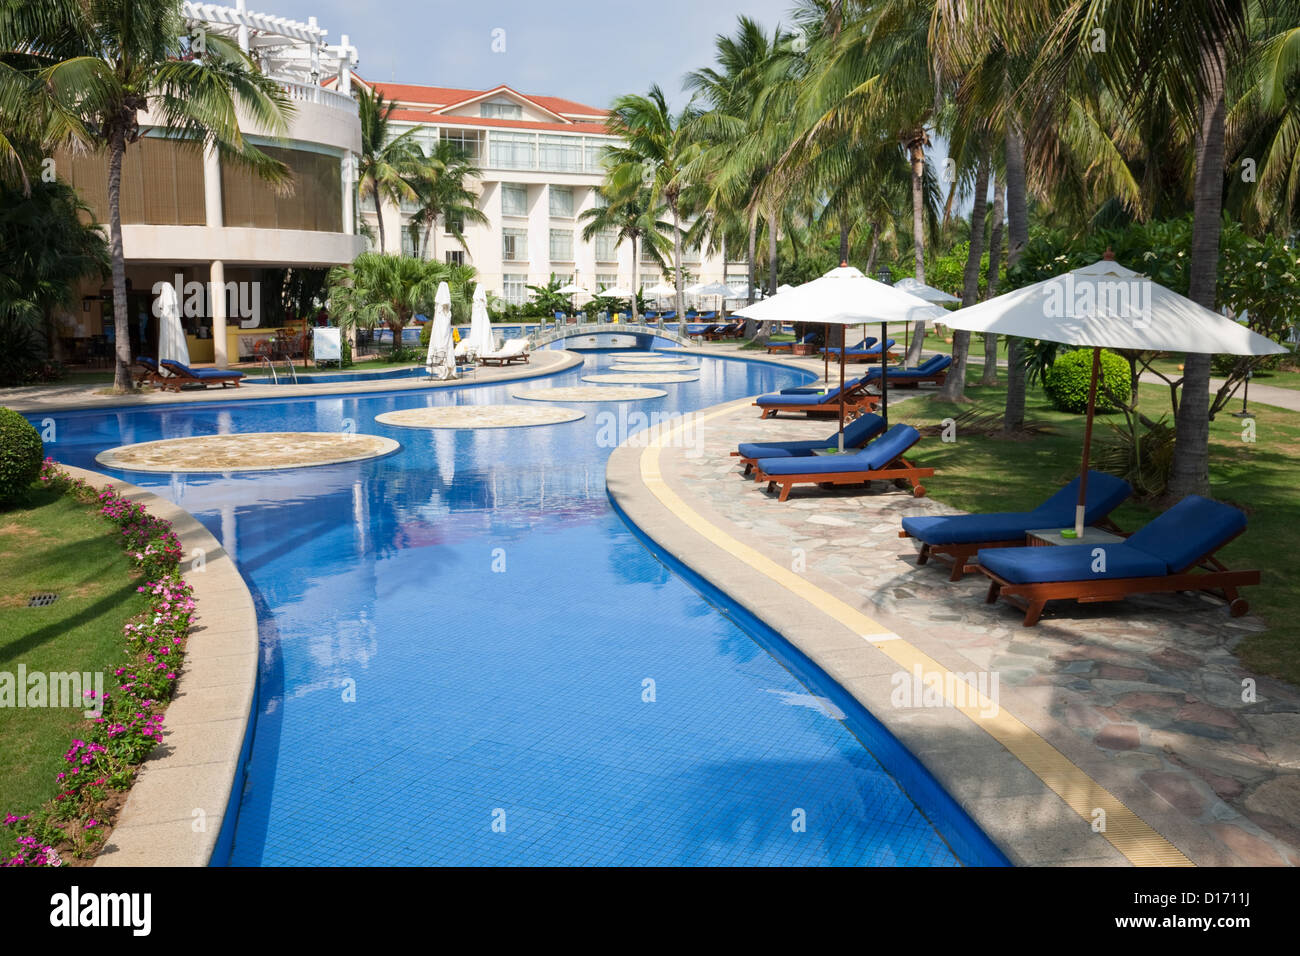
[(41, 398), (1141, 701)]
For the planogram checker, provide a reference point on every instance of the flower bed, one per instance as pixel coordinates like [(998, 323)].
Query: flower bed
[(102, 764)]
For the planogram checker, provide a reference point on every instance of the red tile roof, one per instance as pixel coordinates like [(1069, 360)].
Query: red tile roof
[(430, 116), (442, 97)]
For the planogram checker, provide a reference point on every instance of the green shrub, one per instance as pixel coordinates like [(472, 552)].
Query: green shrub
[(21, 454), (1066, 381)]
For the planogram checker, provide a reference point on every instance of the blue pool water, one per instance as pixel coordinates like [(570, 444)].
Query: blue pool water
[(329, 377), (458, 642)]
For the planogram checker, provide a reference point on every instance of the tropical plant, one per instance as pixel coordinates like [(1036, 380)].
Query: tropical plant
[(382, 290), (387, 163), (21, 454), (93, 69), (440, 179), (627, 209)]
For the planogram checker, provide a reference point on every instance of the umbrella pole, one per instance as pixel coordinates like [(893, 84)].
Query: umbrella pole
[(826, 356), (1087, 444), (841, 396), (884, 375)]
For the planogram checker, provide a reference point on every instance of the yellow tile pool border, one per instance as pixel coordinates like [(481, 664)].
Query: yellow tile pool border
[(1132, 836)]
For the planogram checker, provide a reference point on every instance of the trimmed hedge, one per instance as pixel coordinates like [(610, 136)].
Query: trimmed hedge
[(21, 455), (1066, 381)]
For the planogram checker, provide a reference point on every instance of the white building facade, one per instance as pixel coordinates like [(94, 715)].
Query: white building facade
[(540, 158)]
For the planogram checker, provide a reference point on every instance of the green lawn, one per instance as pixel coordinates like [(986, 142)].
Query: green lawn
[(993, 474), (55, 545)]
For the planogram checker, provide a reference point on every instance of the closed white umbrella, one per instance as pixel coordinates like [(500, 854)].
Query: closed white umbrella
[(845, 296), (441, 358), (1105, 305), (480, 325), (171, 337)]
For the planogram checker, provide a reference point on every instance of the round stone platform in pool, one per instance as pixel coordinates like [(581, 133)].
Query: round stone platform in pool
[(644, 367), (248, 451), (478, 416), (589, 393), (638, 378)]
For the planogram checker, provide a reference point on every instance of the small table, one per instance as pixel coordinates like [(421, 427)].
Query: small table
[(1052, 536)]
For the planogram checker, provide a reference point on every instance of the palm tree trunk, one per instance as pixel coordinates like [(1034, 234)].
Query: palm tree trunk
[(954, 386), (680, 297), (121, 321), (916, 149), (875, 251), (844, 239), (1191, 465), (379, 218), (753, 256), (772, 242), (428, 237), (635, 316), (1017, 238), (990, 376)]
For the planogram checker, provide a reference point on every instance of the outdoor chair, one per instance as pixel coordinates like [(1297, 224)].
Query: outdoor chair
[(880, 460)]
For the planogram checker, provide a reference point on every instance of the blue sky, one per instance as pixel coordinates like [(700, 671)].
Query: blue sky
[(585, 50)]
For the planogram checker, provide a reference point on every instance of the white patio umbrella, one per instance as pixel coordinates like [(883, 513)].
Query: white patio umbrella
[(720, 289), (171, 337), (1105, 305), (441, 357), (927, 292), (480, 325), (845, 296)]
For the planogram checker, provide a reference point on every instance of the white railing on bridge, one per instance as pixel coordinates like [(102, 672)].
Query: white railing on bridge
[(555, 333)]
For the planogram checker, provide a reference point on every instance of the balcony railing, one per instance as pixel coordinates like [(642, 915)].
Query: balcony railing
[(306, 93)]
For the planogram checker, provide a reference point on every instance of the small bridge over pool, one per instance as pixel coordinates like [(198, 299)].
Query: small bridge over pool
[(608, 335)]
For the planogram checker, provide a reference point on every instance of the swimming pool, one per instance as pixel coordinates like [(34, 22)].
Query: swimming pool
[(468, 658)]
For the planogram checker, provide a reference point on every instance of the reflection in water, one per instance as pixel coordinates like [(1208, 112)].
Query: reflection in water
[(465, 626)]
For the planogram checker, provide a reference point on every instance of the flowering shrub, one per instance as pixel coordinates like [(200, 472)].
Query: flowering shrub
[(130, 721)]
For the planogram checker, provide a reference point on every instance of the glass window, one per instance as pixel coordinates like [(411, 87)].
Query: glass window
[(512, 150), (606, 280), (514, 245), (514, 288), (563, 153), (514, 199), (468, 141), (455, 257), (500, 109), (607, 246), (562, 245), (594, 151), (561, 202)]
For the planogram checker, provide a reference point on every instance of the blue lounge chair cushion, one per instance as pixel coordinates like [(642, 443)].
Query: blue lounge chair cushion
[(875, 456), (1188, 531), (147, 362), (856, 433), (873, 350), (1105, 494), (815, 389), (1075, 562), (201, 373), (803, 399)]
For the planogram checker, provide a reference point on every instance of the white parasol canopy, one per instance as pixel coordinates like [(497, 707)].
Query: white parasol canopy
[(927, 292), (1105, 305), (171, 337), (480, 325), (615, 292), (441, 359)]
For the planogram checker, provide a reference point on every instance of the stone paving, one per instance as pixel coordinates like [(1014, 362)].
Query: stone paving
[(1149, 684), (247, 451), (479, 416), (588, 393), (638, 378)]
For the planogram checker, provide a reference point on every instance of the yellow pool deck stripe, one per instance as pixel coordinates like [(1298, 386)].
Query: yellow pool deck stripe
[(1125, 830)]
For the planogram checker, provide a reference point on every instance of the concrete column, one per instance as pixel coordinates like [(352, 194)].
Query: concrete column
[(217, 302), (242, 7), (212, 213), (345, 172), (345, 65)]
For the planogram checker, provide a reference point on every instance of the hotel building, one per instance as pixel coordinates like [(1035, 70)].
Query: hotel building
[(187, 213), (540, 158)]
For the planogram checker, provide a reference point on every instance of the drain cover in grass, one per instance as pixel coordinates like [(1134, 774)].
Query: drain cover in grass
[(42, 600)]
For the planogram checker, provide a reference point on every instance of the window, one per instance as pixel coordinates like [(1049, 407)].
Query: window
[(469, 142), (454, 226), (562, 202), (594, 150), (500, 109), (514, 199), (512, 150), (514, 245), (606, 280), (409, 243), (561, 245), (562, 153), (455, 257), (607, 246), (514, 288)]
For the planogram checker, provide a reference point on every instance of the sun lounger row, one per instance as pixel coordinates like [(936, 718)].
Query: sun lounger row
[(819, 403), (864, 351), (934, 369), (170, 375)]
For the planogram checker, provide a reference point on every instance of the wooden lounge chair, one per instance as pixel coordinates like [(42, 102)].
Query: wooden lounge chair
[(514, 350), (856, 434), (705, 332), (181, 375), (934, 369), (820, 405), (779, 347), (867, 353), (956, 539), (150, 373), (1174, 552), (881, 460)]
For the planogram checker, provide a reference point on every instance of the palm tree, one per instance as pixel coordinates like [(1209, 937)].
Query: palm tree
[(443, 196), (378, 289), (387, 163), (656, 149), (97, 66), (628, 211)]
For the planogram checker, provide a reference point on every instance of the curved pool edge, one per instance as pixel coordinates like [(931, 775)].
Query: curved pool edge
[(181, 809), (1026, 830)]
